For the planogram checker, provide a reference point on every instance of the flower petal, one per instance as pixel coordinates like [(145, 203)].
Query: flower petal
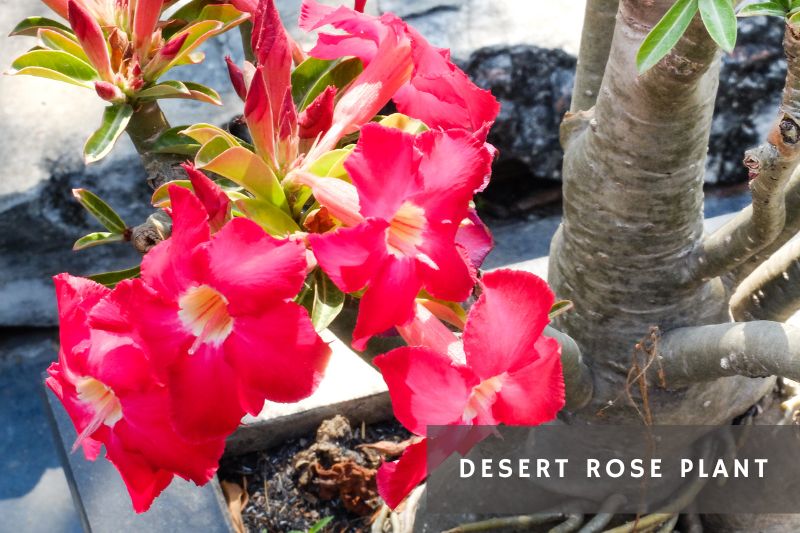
[(383, 167), (250, 268), (79, 412), (505, 323), (474, 236), (90, 35), (147, 428), (351, 256), (164, 268), (204, 400), (452, 278), (427, 388), (388, 301), (534, 394), (396, 480), (143, 481), (278, 354)]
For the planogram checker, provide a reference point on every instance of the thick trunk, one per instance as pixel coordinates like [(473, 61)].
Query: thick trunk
[(633, 215)]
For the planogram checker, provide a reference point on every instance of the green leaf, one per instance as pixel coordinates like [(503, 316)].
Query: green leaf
[(30, 26), (96, 239), (404, 123), (773, 9), (560, 307), (100, 210), (720, 21), (173, 141), (115, 120), (164, 89), (203, 133), (324, 301), (331, 164), (160, 196), (316, 528), (313, 75), (274, 220), (244, 168), (665, 35), (55, 65), (191, 11), (56, 40), (795, 18), (110, 279)]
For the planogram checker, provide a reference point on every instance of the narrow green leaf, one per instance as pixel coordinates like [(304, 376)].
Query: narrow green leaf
[(100, 210), (56, 40), (30, 26), (665, 35), (110, 279), (115, 120), (313, 75), (773, 9), (160, 196), (720, 21), (202, 93), (317, 527), (191, 11), (560, 307), (96, 239), (795, 18), (164, 89), (173, 141), (274, 220), (56, 65), (324, 301)]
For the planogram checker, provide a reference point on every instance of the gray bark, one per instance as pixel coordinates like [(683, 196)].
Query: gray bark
[(598, 30), (632, 217)]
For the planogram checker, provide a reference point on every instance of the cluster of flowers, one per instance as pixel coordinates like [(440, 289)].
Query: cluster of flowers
[(161, 368)]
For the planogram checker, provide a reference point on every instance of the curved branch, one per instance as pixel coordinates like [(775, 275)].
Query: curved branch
[(790, 228), (752, 349), (598, 30), (770, 166), (771, 291), (578, 379)]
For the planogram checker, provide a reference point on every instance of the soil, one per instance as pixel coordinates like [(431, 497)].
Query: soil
[(327, 474)]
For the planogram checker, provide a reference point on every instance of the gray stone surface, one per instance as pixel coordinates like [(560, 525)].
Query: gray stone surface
[(34, 496)]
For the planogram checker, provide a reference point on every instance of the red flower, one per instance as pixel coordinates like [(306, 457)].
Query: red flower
[(90, 35), (435, 91), (217, 319), (510, 374), (409, 195), (104, 380)]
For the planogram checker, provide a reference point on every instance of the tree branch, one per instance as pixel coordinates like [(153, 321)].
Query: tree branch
[(598, 31), (752, 349), (770, 167), (771, 291), (577, 376)]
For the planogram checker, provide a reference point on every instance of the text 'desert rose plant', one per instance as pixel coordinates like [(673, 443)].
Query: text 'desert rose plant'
[(263, 236)]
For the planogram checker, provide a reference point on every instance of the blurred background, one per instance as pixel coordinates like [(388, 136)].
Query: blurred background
[(523, 50)]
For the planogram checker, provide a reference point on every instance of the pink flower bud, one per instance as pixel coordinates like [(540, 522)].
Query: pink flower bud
[(109, 92), (237, 78), (91, 38)]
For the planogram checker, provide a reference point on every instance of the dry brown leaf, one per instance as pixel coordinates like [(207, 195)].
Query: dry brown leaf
[(388, 448), (237, 498), (354, 484)]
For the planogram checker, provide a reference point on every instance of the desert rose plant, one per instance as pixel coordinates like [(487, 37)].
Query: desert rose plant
[(322, 197)]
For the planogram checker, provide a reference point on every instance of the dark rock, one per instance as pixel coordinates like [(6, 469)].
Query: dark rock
[(534, 85), (749, 92), (38, 227)]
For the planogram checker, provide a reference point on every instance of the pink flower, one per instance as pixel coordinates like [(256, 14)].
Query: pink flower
[(105, 382), (434, 91), (509, 373), (217, 319), (401, 213)]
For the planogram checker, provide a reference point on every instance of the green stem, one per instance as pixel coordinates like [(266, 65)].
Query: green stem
[(147, 123)]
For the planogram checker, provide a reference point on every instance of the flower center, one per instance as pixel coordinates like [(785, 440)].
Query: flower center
[(101, 399), (204, 312), (405, 230), (481, 399)]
